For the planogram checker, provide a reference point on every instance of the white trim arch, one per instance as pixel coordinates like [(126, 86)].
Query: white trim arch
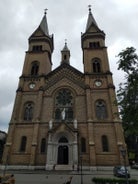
[(53, 145)]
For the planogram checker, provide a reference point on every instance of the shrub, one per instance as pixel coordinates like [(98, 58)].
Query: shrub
[(113, 181)]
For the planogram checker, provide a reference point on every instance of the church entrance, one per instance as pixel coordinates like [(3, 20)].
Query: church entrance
[(63, 155)]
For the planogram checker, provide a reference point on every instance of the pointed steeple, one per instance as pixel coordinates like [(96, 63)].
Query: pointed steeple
[(92, 42), (44, 25), (42, 33), (42, 28), (41, 44), (65, 48), (90, 20), (65, 54)]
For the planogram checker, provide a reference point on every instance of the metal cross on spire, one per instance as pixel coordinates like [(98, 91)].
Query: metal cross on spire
[(65, 41), (89, 6), (45, 11)]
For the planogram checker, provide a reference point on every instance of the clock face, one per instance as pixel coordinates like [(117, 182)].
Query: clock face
[(98, 83), (32, 85)]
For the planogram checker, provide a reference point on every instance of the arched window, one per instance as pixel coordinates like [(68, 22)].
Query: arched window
[(64, 102), (83, 145), (23, 143), (34, 68), (65, 57), (101, 111), (43, 145), (105, 146), (63, 140), (96, 64), (28, 111)]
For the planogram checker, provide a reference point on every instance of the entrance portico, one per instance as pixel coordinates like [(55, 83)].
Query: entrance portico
[(62, 149)]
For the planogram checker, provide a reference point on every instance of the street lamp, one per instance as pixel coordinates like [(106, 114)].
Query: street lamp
[(123, 153), (5, 166), (81, 169)]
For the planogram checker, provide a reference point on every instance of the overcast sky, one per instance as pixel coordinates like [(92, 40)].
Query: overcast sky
[(66, 20)]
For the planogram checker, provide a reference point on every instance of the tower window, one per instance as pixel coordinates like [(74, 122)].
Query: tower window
[(94, 45), (101, 111), (64, 102), (37, 48), (23, 143), (43, 145), (65, 57), (83, 145), (28, 111), (35, 68), (96, 65), (105, 146)]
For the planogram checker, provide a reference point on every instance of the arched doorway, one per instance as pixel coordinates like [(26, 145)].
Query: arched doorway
[(63, 151), (63, 154)]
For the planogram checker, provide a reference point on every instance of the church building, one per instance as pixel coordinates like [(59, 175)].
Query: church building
[(64, 117)]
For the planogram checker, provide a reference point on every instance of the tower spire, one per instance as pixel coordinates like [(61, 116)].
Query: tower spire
[(65, 54), (65, 46), (45, 11), (43, 43), (43, 24), (90, 20), (91, 40), (89, 8)]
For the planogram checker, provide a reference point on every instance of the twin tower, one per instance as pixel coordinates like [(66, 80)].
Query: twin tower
[(62, 117)]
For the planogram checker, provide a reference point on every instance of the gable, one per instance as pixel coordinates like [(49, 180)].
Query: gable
[(62, 127), (65, 77), (64, 82)]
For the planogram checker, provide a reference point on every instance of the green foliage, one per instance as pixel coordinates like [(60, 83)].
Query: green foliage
[(112, 181), (128, 60), (127, 94)]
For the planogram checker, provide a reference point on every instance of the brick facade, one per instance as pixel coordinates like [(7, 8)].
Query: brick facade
[(93, 131)]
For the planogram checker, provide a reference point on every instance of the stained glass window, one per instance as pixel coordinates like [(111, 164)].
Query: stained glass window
[(64, 102)]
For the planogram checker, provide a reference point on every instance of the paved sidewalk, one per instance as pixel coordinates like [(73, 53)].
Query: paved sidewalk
[(60, 177)]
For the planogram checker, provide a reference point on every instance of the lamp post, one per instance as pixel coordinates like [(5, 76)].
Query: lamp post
[(81, 169), (123, 153), (5, 166)]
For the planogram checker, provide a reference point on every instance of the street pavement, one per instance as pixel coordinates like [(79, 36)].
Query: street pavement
[(60, 177)]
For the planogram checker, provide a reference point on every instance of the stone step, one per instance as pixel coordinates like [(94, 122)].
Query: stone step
[(63, 167)]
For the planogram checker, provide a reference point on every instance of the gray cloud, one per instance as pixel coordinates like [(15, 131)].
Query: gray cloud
[(66, 20)]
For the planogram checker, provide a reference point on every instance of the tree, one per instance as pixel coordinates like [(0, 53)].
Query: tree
[(127, 94)]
